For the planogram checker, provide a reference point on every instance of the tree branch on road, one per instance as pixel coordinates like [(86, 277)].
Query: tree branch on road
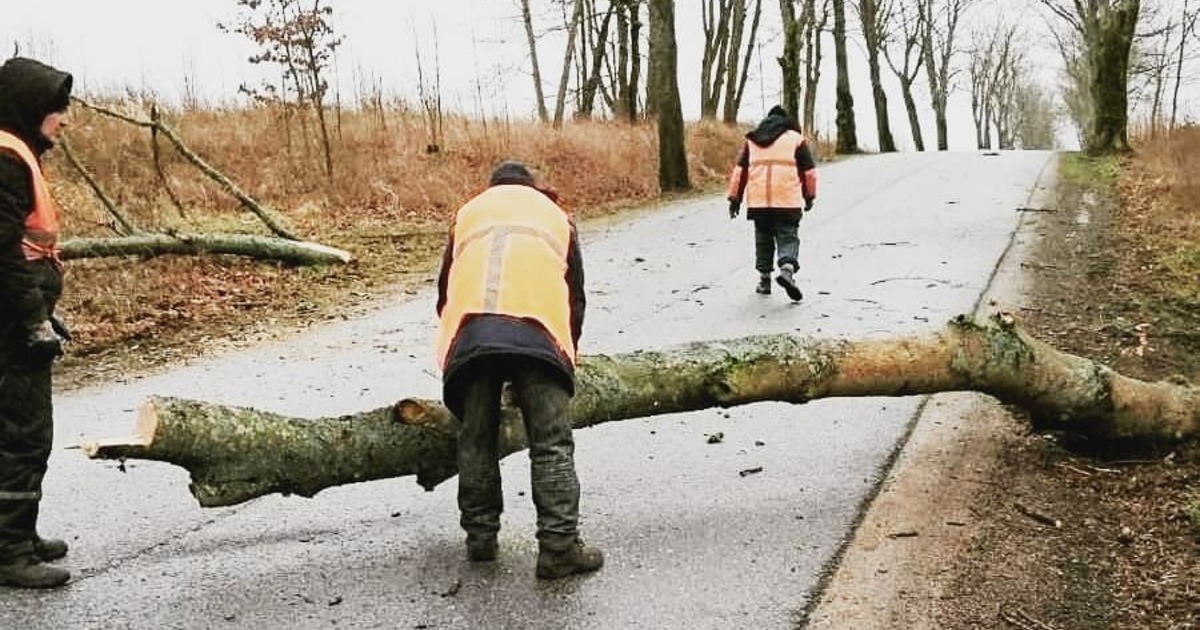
[(235, 454)]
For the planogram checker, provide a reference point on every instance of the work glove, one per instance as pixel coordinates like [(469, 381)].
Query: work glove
[(734, 208), (41, 346), (808, 204), (60, 328)]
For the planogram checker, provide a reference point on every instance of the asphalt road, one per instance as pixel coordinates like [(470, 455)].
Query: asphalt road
[(897, 245)]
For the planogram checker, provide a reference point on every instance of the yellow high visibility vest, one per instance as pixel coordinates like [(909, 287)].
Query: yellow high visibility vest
[(510, 258)]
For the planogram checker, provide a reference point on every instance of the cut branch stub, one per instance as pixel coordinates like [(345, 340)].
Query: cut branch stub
[(236, 454)]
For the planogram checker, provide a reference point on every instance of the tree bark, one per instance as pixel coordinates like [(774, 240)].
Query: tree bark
[(538, 93), (847, 134), (874, 17), (672, 152), (261, 247), (789, 59), (812, 31), (573, 26), (235, 454)]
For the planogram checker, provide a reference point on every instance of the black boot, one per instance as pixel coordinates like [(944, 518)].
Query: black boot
[(576, 558), (481, 548), (48, 549), (29, 572), (764, 284), (787, 280)]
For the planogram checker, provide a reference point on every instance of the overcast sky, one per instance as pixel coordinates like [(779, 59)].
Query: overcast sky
[(165, 46)]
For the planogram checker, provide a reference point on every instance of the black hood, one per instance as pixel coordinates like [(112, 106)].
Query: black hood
[(774, 125), (29, 91)]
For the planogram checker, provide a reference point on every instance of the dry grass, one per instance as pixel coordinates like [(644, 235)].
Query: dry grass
[(388, 203)]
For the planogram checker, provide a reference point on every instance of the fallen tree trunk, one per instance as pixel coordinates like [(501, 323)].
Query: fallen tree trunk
[(249, 245), (235, 454)]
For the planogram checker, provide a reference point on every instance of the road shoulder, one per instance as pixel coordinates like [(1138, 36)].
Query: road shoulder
[(898, 563)]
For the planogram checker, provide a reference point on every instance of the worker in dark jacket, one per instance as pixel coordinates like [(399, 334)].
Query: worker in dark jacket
[(33, 111), (511, 302), (776, 173)]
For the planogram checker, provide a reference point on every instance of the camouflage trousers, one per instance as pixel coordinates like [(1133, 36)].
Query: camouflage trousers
[(542, 399), (26, 436)]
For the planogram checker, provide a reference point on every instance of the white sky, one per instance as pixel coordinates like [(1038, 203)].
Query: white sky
[(166, 45)]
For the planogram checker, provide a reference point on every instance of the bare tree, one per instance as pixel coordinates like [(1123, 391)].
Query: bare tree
[(906, 63), (572, 32), (813, 24), (1037, 117), (631, 52), (801, 51), (847, 134), (875, 15), (988, 47), (789, 59), (715, 18), (531, 40), (664, 88), (301, 41), (430, 95), (735, 77), (723, 69), (597, 33), (1105, 30), (1188, 20), (939, 26)]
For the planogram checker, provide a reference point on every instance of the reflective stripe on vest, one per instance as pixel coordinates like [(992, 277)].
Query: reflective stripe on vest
[(20, 496), (42, 225), (510, 258), (772, 180)]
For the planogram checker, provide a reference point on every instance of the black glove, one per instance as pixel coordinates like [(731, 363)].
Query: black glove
[(42, 346), (60, 328), (734, 208), (808, 204)]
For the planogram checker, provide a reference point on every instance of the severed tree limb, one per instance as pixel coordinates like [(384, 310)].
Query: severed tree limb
[(267, 216), (127, 226), (236, 454), (263, 247)]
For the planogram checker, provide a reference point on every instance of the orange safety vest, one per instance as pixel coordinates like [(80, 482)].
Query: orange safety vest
[(772, 181), (42, 225), (509, 258)]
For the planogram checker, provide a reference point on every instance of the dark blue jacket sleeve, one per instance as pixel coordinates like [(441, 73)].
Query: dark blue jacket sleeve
[(574, 279)]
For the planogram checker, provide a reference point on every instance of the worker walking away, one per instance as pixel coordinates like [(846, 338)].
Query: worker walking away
[(511, 303), (776, 174)]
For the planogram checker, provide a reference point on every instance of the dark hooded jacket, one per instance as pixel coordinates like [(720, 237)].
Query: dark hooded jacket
[(765, 134), (29, 91)]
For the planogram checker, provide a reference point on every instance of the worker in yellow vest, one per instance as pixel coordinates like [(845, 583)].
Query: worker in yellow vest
[(776, 173), (33, 112), (511, 303)]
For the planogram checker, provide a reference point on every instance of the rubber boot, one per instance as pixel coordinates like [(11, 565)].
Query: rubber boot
[(578, 557), (29, 572), (764, 284), (787, 280), (48, 549), (482, 548)]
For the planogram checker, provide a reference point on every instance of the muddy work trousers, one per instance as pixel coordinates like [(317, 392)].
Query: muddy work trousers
[(776, 241), (542, 399), (26, 436)]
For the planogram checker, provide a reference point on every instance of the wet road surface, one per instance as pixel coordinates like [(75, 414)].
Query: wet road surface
[(897, 245)]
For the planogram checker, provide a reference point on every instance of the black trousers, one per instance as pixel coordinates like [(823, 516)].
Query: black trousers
[(26, 437), (776, 241), (542, 398)]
